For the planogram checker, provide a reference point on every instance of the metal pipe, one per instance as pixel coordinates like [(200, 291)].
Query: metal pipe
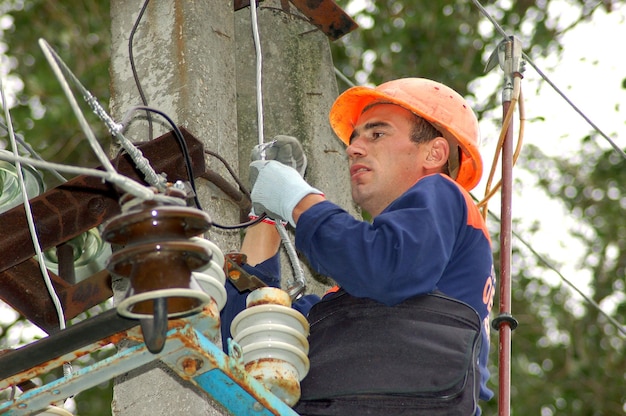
[(504, 397), (505, 322)]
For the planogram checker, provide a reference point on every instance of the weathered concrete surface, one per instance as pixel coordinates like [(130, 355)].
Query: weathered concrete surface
[(299, 87), (183, 52), (196, 62)]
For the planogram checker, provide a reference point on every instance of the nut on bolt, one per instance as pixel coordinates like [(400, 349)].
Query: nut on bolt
[(191, 365)]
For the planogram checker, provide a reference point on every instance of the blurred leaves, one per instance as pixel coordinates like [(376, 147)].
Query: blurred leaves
[(567, 359), (80, 34)]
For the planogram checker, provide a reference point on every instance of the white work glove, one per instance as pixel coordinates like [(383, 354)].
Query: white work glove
[(285, 149), (277, 189)]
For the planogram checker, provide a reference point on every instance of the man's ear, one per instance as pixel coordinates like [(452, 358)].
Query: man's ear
[(438, 152)]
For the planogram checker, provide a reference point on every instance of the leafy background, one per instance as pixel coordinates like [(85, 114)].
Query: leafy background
[(567, 358)]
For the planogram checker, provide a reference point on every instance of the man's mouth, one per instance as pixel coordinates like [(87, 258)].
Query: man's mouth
[(357, 169)]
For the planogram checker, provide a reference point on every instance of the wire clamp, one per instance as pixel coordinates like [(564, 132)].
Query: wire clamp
[(507, 318)]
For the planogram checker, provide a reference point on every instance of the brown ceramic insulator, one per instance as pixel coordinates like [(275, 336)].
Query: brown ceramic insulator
[(157, 223), (155, 266), (158, 257)]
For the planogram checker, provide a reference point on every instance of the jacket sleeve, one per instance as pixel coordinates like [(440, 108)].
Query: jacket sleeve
[(403, 253)]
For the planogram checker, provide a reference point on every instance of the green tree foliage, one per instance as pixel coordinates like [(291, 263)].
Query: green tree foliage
[(567, 358), (573, 349), (79, 32), (448, 41)]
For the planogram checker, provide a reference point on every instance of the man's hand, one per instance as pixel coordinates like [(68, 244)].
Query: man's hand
[(277, 189), (285, 149)]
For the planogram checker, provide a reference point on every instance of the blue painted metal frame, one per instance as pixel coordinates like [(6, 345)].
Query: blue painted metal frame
[(219, 375)]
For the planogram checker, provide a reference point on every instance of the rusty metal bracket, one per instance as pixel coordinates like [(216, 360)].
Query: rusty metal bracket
[(189, 352), (65, 212), (331, 19), (242, 280)]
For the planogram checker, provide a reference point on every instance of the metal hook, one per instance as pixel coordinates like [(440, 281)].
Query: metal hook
[(155, 329)]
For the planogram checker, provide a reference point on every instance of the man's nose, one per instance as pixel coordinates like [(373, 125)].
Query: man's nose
[(355, 148)]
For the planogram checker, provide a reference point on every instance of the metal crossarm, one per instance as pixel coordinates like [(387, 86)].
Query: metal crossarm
[(189, 350)]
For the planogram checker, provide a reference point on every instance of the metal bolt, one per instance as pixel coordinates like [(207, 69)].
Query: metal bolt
[(191, 365)]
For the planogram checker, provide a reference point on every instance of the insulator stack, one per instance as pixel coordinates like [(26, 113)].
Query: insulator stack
[(273, 338), (212, 277), (161, 250)]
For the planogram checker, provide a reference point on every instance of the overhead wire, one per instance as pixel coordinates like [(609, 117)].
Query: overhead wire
[(568, 282), (547, 79), (31, 151), (131, 57), (298, 284), (29, 214), (124, 182), (141, 162), (60, 70), (483, 205)]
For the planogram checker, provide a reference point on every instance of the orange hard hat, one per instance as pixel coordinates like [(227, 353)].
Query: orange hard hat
[(436, 103)]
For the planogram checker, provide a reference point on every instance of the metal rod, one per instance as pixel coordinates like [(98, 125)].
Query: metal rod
[(505, 272), (504, 397), (63, 342)]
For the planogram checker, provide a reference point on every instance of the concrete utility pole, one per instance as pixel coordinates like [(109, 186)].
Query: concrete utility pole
[(196, 62)]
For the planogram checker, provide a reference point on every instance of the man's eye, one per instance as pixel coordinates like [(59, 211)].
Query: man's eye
[(377, 135)]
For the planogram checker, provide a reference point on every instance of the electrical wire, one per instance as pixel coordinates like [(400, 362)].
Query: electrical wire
[(133, 68), (29, 215), (181, 141), (259, 71), (547, 79), (568, 282), (230, 170), (344, 78), (298, 283), (31, 151), (62, 71), (125, 183), (59, 68), (483, 203)]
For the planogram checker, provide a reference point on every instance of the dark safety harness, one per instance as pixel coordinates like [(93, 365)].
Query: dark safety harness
[(419, 357)]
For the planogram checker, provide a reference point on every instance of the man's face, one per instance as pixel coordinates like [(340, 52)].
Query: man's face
[(384, 162)]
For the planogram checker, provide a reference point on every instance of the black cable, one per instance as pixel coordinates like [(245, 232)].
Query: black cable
[(181, 141), (230, 170), (242, 225), (134, 69)]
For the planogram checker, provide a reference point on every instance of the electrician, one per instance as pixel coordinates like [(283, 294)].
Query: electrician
[(406, 330)]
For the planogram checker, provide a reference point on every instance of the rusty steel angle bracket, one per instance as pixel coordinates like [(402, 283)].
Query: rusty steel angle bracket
[(331, 19), (63, 213)]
